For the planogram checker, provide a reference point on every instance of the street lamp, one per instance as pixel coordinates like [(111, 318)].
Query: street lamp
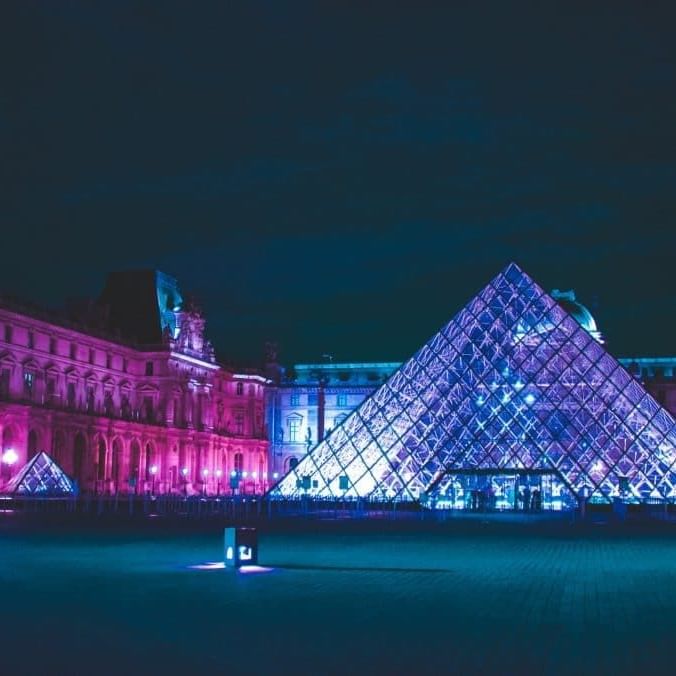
[(184, 472), (205, 475), (254, 476), (153, 472), (245, 474), (219, 474), (9, 458)]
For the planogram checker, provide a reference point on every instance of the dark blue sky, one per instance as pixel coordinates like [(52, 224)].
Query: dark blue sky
[(343, 180)]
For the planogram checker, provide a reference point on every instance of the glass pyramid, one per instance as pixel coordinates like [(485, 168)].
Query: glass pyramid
[(41, 476), (511, 383)]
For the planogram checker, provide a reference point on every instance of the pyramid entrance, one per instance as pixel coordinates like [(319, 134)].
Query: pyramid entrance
[(489, 490)]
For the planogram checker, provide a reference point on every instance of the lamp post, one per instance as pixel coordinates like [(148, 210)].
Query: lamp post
[(153, 473), (9, 458), (245, 474), (205, 476), (254, 476), (219, 474), (184, 472), (233, 481)]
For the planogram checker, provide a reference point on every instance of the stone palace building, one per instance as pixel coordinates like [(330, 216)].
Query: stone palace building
[(126, 395)]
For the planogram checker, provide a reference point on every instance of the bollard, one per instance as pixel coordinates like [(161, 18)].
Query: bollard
[(240, 547)]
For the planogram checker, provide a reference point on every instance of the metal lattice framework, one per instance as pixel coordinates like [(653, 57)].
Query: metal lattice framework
[(41, 476), (512, 382)]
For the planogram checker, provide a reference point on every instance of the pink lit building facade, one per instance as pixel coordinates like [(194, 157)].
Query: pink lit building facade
[(122, 413)]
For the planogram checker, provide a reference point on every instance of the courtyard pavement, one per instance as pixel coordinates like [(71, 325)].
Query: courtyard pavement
[(473, 599)]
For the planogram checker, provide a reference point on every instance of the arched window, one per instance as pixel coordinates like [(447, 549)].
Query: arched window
[(79, 451), (149, 461), (58, 446), (239, 462), (7, 445), (134, 462), (116, 462), (101, 461), (32, 444)]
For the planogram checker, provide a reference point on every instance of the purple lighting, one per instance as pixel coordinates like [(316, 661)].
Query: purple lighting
[(425, 430)]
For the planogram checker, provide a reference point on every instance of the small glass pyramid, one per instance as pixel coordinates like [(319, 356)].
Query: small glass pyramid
[(512, 384), (41, 476)]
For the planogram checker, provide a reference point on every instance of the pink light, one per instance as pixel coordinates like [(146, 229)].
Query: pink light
[(153, 469), (10, 456), (219, 473), (205, 472)]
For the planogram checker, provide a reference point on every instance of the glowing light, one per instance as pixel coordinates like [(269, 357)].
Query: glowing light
[(153, 469), (233, 473), (219, 473), (529, 399), (254, 475), (205, 472), (265, 475), (184, 471), (275, 475), (10, 456), (518, 385), (245, 553), (251, 569), (245, 474), (480, 400)]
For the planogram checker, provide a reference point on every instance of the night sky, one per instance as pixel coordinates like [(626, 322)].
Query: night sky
[(343, 180)]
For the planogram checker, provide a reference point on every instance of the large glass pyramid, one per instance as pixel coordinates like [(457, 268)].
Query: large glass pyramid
[(41, 476), (511, 384)]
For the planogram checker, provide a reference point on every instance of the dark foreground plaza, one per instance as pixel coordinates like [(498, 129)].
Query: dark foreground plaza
[(469, 597)]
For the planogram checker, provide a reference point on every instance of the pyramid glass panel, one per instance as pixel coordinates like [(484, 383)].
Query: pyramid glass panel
[(511, 391), (41, 476)]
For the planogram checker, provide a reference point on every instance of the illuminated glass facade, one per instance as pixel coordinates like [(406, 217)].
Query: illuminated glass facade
[(512, 395), (41, 476)]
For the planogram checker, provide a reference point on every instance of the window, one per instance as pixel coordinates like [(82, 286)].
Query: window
[(50, 388), (239, 388), (31, 340), (239, 423), (149, 368), (73, 351), (109, 361), (8, 333), (312, 399), (239, 463), (92, 355), (341, 400), (90, 399), (4, 383), (294, 429), (28, 383), (108, 403), (70, 395), (148, 408), (294, 400), (52, 345)]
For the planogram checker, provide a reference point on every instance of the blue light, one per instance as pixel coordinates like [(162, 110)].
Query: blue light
[(529, 399), (480, 400), (518, 385)]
